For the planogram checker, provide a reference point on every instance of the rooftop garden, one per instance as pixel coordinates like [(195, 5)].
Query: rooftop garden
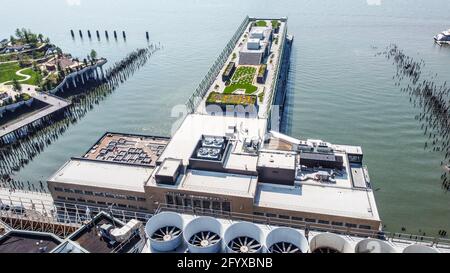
[(242, 80), (275, 24), (261, 23), (8, 74), (230, 99)]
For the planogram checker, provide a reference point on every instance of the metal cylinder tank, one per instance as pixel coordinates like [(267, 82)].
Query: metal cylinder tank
[(243, 237), (286, 240), (203, 235), (164, 231)]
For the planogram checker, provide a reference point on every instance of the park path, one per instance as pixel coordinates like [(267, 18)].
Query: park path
[(19, 73)]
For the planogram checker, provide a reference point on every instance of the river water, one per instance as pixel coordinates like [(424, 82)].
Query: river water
[(338, 90)]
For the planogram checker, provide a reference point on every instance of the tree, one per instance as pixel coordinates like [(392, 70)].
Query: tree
[(17, 86), (41, 37), (19, 33), (12, 39), (93, 55)]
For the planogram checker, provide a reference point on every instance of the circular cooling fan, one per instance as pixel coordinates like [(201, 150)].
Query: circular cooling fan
[(284, 247), (166, 233), (325, 250), (204, 238), (244, 244)]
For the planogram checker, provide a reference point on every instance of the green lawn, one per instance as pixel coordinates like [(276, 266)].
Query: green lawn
[(8, 73), (261, 23), (242, 79)]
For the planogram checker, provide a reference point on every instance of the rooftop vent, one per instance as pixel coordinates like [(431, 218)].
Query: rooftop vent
[(243, 237), (164, 231), (416, 248), (202, 235), (374, 246), (330, 243), (286, 240)]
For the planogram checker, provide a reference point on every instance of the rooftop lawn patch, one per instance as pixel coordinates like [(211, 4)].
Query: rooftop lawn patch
[(261, 23), (242, 79), (8, 73), (275, 23), (230, 99)]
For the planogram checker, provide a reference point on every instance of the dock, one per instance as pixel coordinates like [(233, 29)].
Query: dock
[(54, 104)]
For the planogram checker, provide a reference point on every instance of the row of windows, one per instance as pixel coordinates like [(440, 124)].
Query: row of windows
[(101, 194), (311, 220), (100, 203), (196, 203)]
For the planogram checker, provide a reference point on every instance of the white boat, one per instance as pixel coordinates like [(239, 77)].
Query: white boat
[(443, 37)]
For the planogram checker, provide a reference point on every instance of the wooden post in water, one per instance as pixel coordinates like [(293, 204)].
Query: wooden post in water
[(146, 35), (106, 34), (115, 35), (71, 33), (123, 34), (89, 33), (81, 33), (98, 34)]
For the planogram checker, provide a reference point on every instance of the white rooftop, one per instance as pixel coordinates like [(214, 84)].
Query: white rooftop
[(185, 139), (318, 199), (103, 174), (282, 160), (169, 167)]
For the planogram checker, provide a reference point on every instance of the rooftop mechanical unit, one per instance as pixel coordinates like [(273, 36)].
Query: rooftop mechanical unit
[(374, 246), (243, 237), (420, 249), (164, 231), (203, 235), (330, 243), (286, 240), (316, 160)]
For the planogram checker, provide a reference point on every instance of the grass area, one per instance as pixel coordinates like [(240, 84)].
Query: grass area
[(261, 23), (230, 99), (275, 23), (8, 73), (242, 79), (261, 97)]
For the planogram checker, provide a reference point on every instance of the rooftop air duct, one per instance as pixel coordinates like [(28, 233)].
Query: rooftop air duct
[(202, 235), (374, 246), (243, 237), (164, 231), (329, 243), (286, 240), (416, 248)]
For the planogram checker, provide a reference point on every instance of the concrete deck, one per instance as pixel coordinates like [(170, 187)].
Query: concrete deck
[(55, 104)]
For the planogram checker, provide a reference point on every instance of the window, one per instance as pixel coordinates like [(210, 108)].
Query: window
[(68, 190), (197, 204), (178, 201), (58, 189), (70, 198), (216, 205), (81, 200), (350, 225), (226, 206), (337, 223), (99, 194), (365, 227), (101, 203), (206, 204), (110, 195), (121, 205), (78, 191), (132, 207), (258, 213), (88, 193), (91, 201), (188, 202), (295, 218), (141, 199), (283, 216), (310, 220), (271, 215), (120, 196), (324, 222), (132, 198), (169, 199), (61, 197)]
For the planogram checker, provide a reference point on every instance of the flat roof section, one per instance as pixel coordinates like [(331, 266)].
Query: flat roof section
[(28, 242), (219, 183), (318, 199), (89, 239), (169, 167), (281, 160), (126, 148), (84, 172)]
